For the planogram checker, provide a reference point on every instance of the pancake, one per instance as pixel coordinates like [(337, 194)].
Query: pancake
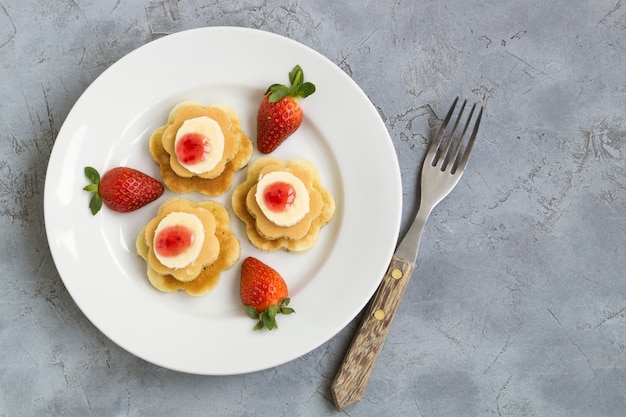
[(267, 236), (271, 231), (210, 247), (237, 150), (208, 276)]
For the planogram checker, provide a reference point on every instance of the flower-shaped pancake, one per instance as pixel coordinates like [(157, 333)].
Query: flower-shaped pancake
[(237, 150), (228, 249), (265, 227), (210, 246), (261, 231)]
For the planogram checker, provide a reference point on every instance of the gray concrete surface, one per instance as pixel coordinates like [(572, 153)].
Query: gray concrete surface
[(517, 305)]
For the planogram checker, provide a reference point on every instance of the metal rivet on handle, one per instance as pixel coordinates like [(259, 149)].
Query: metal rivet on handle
[(396, 274), (379, 314)]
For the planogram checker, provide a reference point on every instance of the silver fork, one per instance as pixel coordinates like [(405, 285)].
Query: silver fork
[(438, 176), (443, 166)]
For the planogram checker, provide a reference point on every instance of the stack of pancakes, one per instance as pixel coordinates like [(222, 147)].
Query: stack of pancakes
[(220, 249), (268, 236), (237, 150)]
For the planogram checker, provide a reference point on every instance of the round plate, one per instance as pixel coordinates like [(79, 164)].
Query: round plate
[(110, 125)]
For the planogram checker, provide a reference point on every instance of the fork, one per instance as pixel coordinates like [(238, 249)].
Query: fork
[(443, 166)]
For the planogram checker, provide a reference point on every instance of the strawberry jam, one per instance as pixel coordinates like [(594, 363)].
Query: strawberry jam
[(192, 148), (173, 240), (279, 196)]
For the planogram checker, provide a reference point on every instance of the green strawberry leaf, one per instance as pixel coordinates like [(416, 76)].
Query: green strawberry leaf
[(92, 175), (277, 92), (95, 204), (306, 89), (272, 88), (296, 75), (287, 310), (251, 312), (283, 307), (272, 311), (268, 321)]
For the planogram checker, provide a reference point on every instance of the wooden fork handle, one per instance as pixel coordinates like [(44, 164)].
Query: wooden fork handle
[(351, 380)]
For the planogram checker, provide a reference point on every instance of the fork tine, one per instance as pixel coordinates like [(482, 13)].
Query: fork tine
[(470, 143), (453, 157), (434, 146), (444, 154)]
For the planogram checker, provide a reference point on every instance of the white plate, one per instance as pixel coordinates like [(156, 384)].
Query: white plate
[(110, 125)]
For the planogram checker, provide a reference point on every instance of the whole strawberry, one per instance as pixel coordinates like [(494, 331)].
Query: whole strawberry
[(121, 189), (263, 292), (280, 113)]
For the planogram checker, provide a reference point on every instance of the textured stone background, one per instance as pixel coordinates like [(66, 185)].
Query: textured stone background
[(517, 305)]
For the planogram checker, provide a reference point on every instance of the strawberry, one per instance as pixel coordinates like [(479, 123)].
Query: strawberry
[(263, 293), (121, 189), (280, 114)]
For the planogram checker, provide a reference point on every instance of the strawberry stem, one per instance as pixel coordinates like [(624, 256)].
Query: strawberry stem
[(95, 204), (298, 88), (267, 318)]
